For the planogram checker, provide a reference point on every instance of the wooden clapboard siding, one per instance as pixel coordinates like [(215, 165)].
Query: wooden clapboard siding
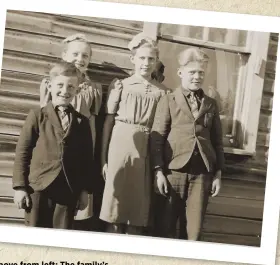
[(18, 42), (63, 26), (32, 45), (12, 221), (8, 209), (11, 124), (245, 207), (245, 211)]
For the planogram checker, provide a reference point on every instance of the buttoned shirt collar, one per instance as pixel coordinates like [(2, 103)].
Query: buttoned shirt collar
[(134, 79), (187, 92), (67, 108)]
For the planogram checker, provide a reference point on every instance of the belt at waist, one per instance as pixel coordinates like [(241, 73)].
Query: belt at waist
[(140, 127)]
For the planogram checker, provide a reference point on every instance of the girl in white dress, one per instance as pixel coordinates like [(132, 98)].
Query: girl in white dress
[(131, 106)]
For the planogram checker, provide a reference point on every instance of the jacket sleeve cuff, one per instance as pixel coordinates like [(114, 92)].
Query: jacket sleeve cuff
[(19, 185)]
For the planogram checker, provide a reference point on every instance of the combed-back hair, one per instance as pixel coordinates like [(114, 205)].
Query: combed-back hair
[(66, 69)]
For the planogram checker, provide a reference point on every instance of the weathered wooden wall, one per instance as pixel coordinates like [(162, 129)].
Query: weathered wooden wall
[(32, 44), (238, 210)]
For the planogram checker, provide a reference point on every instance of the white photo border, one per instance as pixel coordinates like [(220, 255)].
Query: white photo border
[(265, 254)]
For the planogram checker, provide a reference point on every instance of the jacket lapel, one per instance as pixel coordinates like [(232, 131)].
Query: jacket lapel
[(52, 116), (182, 103), (206, 104)]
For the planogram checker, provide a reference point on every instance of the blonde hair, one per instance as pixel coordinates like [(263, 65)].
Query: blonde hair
[(65, 69), (142, 40), (76, 37), (192, 55)]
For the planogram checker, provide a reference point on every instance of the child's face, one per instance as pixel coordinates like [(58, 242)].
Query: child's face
[(63, 89), (144, 61), (77, 52), (192, 75)]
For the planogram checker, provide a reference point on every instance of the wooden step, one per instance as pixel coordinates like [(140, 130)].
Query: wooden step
[(232, 225), (235, 207), (253, 241)]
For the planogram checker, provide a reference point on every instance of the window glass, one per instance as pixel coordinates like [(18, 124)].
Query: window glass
[(218, 35)]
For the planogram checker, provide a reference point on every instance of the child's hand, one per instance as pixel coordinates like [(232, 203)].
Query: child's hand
[(161, 183), (83, 200), (217, 183), (21, 199), (105, 171)]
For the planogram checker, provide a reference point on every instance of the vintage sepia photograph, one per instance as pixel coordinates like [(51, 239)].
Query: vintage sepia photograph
[(115, 126)]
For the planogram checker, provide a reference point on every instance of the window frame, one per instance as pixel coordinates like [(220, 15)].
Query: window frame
[(247, 106)]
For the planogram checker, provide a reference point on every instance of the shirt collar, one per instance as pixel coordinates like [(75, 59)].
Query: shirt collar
[(66, 108), (136, 80), (198, 93)]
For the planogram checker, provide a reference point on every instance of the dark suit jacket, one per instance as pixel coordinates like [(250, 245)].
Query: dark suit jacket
[(176, 132), (43, 151)]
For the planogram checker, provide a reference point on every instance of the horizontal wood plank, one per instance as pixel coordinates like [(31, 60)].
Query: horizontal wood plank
[(236, 207), (6, 168), (271, 64), (41, 65), (267, 102), (7, 149), (126, 25), (232, 239), (134, 26), (57, 26), (9, 210), (17, 104), (26, 84), (12, 221), (242, 189), (265, 122), (232, 225), (50, 46), (272, 50), (6, 189), (263, 139), (7, 138), (11, 125), (27, 63), (268, 85)]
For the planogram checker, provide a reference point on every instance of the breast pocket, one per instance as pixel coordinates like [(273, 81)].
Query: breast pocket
[(208, 119)]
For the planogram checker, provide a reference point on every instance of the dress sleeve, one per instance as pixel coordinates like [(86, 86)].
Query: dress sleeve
[(45, 95), (159, 133), (114, 96), (88, 99), (97, 98)]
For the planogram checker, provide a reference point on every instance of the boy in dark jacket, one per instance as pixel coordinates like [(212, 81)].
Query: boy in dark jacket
[(53, 164)]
